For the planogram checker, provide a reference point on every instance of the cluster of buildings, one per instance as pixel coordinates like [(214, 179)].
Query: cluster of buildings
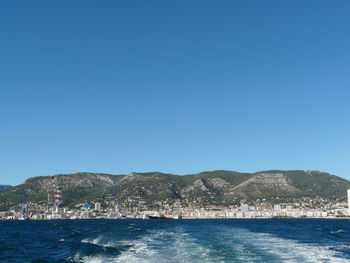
[(308, 208), (115, 211)]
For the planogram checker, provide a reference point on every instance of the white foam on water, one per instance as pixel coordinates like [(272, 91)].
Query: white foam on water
[(164, 246), (244, 254), (286, 250), (95, 260), (187, 249), (156, 246), (95, 241), (233, 245), (338, 231), (101, 241)]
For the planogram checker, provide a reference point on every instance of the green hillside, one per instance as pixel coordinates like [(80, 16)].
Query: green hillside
[(202, 189)]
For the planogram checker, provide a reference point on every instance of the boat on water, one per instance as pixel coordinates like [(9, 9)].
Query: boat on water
[(160, 216), (156, 216)]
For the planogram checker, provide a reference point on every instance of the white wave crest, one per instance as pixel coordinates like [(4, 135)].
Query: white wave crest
[(264, 246), (338, 231), (156, 246), (215, 244)]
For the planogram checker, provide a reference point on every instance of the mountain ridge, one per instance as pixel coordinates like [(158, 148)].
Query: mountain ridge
[(4, 187), (218, 187)]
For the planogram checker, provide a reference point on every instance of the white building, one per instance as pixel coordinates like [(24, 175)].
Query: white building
[(277, 208), (244, 208), (98, 206)]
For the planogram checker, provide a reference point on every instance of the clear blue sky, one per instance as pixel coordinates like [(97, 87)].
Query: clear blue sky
[(173, 86)]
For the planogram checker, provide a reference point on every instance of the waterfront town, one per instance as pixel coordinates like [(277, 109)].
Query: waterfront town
[(308, 208)]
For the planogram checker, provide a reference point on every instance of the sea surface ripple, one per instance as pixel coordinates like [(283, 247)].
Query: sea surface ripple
[(92, 241)]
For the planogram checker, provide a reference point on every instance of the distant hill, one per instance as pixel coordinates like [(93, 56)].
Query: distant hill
[(202, 189), (4, 187)]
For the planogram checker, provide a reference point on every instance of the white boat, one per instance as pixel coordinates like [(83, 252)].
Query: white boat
[(156, 216)]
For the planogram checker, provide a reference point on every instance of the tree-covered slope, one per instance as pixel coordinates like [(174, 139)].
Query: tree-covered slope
[(4, 187), (202, 189)]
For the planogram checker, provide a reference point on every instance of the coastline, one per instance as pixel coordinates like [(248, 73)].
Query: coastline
[(172, 219)]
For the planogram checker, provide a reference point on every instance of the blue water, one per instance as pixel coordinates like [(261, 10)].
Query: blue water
[(270, 240)]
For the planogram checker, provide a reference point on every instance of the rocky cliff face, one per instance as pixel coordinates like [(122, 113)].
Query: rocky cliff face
[(270, 180), (207, 188), (264, 185)]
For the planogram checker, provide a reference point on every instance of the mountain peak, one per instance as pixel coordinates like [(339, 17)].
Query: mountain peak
[(206, 188)]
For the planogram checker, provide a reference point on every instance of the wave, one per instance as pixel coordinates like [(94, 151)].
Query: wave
[(267, 247), (338, 231), (156, 246), (214, 244)]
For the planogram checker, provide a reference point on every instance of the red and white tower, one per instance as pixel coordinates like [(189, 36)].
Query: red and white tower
[(57, 193)]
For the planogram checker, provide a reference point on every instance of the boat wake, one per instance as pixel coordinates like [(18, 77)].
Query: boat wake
[(263, 247), (156, 246), (216, 244)]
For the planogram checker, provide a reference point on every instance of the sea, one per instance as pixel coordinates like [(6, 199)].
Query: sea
[(157, 241)]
